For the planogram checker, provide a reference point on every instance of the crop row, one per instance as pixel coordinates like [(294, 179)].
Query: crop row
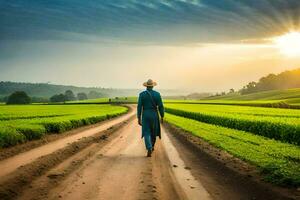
[(277, 126), (19, 130), (238, 110), (277, 161)]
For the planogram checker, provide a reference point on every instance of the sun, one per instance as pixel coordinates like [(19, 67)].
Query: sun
[(289, 44)]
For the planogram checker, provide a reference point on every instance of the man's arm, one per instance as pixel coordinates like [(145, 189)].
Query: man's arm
[(161, 107), (139, 109)]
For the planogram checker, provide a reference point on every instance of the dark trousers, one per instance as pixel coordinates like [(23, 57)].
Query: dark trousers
[(150, 140), (153, 139)]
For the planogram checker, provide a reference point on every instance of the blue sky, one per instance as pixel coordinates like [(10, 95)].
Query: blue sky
[(44, 38)]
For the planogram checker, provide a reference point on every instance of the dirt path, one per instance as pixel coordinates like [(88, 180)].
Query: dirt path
[(120, 170), (11, 164)]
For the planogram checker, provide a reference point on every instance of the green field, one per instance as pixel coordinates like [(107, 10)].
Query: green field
[(255, 103), (22, 123), (275, 99), (278, 162), (288, 94), (280, 124), (89, 101), (105, 100), (288, 97)]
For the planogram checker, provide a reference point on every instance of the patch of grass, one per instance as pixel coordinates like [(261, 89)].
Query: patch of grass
[(277, 161)]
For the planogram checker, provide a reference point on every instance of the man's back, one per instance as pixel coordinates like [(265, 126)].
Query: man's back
[(146, 101)]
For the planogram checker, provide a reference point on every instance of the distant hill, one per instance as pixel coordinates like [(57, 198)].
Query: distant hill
[(43, 89), (192, 96), (285, 80), (289, 96), (46, 90)]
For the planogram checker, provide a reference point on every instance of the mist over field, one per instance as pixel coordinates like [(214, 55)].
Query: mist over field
[(191, 45)]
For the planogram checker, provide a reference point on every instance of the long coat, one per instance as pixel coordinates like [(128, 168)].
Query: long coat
[(149, 114)]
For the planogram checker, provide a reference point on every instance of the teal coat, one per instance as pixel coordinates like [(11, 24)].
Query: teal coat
[(149, 115)]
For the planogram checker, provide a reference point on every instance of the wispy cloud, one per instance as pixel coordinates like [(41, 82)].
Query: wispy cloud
[(154, 21)]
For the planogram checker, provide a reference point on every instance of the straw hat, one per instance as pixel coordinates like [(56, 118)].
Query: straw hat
[(150, 83)]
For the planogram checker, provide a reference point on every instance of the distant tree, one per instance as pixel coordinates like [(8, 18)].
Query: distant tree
[(70, 95), (18, 97), (39, 100), (249, 88), (231, 90), (284, 80), (81, 96), (94, 95), (58, 98), (4, 99)]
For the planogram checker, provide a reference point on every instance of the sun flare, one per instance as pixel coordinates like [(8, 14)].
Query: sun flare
[(288, 44)]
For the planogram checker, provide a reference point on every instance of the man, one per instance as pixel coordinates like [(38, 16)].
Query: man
[(149, 104)]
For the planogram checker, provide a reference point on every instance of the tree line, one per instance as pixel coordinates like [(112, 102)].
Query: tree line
[(68, 96), (21, 97), (46, 90), (285, 80)]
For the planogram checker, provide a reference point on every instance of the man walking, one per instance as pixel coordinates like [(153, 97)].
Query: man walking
[(149, 104)]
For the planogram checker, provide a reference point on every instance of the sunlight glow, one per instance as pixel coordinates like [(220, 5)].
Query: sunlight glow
[(288, 44)]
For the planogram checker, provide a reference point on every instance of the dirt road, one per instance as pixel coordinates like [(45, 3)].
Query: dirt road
[(116, 167), (11, 164), (120, 170)]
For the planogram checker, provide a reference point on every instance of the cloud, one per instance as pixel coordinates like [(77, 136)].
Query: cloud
[(152, 21)]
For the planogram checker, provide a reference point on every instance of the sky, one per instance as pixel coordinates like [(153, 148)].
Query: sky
[(195, 45)]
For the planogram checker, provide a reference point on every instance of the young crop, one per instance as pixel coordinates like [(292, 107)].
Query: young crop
[(278, 162), (279, 124), (22, 123)]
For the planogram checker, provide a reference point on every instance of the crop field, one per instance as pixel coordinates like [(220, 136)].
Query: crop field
[(276, 123), (289, 98), (279, 162), (22, 123), (255, 103), (105, 100), (99, 100), (272, 98), (266, 95)]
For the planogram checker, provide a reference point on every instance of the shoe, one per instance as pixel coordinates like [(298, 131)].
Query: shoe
[(152, 149), (149, 153)]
